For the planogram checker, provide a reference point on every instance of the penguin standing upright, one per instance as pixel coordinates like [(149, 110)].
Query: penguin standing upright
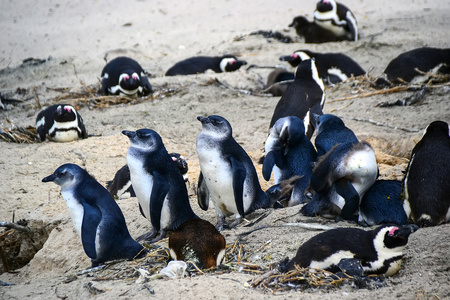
[(227, 175), (427, 180), (124, 75), (60, 123), (337, 19), (97, 218), (158, 184), (201, 64)]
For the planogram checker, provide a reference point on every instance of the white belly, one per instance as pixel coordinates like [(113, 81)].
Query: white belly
[(65, 136), (75, 209), (142, 183)]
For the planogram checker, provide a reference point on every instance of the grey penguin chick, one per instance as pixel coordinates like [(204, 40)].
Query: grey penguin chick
[(97, 218), (158, 184), (227, 175)]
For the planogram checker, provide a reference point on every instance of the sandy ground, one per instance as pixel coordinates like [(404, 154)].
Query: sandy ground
[(78, 35)]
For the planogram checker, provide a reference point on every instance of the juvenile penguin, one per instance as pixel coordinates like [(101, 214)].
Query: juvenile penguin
[(124, 75), (197, 241), (278, 80), (383, 204), (158, 184), (303, 97), (311, 32), (379, 251), (427, 179), (332, 67), (336, 18), (97, 218), (288, 153), (60, 123), (200, 64), (227, 173)]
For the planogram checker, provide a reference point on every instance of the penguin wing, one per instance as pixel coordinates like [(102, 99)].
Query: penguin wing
[(146, 84), (105, 86), (351, 25), (273, 158), (160, 189), (346, 190), (83, 132), (202, 193), (239, 174), (91, 219)]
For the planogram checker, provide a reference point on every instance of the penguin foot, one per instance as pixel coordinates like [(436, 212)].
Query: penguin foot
[(148, 237), (221, 224)]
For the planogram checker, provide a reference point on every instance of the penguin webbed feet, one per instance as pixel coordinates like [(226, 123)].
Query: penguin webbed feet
[(152, 236)]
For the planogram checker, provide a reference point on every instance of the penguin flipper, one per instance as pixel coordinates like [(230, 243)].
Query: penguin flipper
[(352, 26), (160, 189), (345, 189), (91, 219), (202, 193), (239, 175), (147, 86), (83, 134), (272, 158), (104, 88)]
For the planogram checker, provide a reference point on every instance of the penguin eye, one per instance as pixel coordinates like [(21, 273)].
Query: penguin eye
[(60, 173), (139, 135)]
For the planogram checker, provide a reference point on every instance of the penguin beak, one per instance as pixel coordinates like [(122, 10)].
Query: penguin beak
[(128, 133), (49, 178), (406, 230), (286, 58), (202, 119)]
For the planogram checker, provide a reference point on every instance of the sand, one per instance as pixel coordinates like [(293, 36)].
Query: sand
[(78, 35)]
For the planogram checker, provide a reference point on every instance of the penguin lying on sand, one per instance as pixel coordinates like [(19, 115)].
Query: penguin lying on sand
[(97, 218), (227, 175), (427, 180), (158, 184), (332, 67), (311, 32), (124, 75), (379, 251), (278, 81), (337, 19), (201, 64), (60, 123)]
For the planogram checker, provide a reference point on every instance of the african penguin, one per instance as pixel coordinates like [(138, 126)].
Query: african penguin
[(97, 218), (303, 96), (60, 123), (311, 32), (158, 184), (337, 19), (427, 180), (228, 175), (278, 80), (200, 64), (124, 76), (379, 251), (197, 241), (332, 67)]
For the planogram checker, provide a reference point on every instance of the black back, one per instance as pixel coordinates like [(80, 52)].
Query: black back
[(311, 32), (200, 64)]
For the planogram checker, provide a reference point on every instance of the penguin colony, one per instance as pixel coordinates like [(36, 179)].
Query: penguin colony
[(334, 178)]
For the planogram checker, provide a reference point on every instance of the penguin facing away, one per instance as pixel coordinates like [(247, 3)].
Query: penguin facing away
[(228, 175), (311, 32), (379, 251), (158, 184), (60, 123), (125, 76), (97, 218), (427, 180), (200, 64), (337, 19)]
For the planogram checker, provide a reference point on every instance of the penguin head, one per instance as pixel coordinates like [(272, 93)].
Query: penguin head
[(144, 139), (327, 122), (129, 80), (290, 130), (299, 23), (65, 113), (392, 236), (326, 5), (297, 57), (216, 126), (307, 70), (181, 164), (438, 128), (66, 176), (230, 63)]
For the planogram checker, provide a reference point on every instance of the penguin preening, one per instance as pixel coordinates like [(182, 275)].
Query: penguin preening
[(97, 218), (201, 64)]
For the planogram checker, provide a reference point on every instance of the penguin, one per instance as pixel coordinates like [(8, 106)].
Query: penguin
[(337, 19), (158, 184), (288, 153), (382, 204), (60, 123), (332, 67), (303, 96), (121, 183), (427, 180), (97, 218), (403, 68), (199, 242), (340, 178), (125, 76), (311, 32), (200, 64), (331, 130), (379, 251), (227, 175), (278, 81)]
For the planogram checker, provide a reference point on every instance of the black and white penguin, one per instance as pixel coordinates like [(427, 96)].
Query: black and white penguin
[(336, 18), (227, 175), (158, 184), (332, 67), (303, 96), (403, 68), (125, 76), (197, 241), (278, 80), (331, 130), (339, 180), (97, 218), (379, 251), (289, 152), (201, 64), (60, 123), (383, 204), (311, 32), (427, 180)]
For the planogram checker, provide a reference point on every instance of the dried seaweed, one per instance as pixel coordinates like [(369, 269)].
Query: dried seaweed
[(21, 135)]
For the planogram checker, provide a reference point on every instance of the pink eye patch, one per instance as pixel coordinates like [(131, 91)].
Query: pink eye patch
[(126, 77), (392, 231), (134, 77)]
